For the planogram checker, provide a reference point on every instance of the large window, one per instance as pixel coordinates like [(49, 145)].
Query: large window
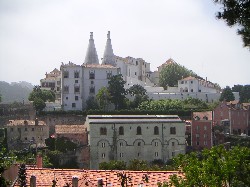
[(172, 130), (121, 131), (103, 131), (156, 130), (138, 130)]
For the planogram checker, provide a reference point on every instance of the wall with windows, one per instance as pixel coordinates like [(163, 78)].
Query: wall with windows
[(134, 137), (26, 133)]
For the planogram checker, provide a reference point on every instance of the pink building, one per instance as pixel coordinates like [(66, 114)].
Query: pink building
[(201, 130)]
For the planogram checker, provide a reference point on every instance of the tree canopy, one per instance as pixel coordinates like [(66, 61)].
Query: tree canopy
[(214, 167), (39, 97), (227, 94), (173, 72), (103, 97), (139, 94), (244, 92), (117, 90), (236, 12)]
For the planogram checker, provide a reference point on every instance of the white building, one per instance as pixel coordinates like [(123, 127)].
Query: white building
[(127, 137)]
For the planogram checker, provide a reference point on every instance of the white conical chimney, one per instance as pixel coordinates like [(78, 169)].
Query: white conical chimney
[(91, 55)]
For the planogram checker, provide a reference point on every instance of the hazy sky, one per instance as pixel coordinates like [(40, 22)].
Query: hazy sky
[(37, 35)]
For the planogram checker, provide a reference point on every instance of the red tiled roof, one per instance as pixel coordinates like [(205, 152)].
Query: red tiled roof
[(70, 129), (45, 176)]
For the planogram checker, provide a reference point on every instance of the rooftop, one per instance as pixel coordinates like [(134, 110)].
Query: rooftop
[(70, 129)]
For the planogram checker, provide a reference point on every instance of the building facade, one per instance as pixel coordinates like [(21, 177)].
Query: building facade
[(128, 137), (26, 134)]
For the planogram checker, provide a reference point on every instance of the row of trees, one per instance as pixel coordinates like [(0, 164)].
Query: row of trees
[(244, 93)]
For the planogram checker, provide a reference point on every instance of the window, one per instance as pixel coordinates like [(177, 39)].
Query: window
[(172, 143), (25, 138), (121, 144), (92, 90), (76, 74), (65, 74), (103, 144), (197, 135), (91, 75), (138, 154), (173, 153), (135, 73), (103, 155), (191, 82), (76, 98), (136, 63), (156, 130), (103, 131), (205, 118), (121, 131), (66, 88), (156, 144), (73, 105), (197, 128), (197, 143), (156, 154), (26, 129), (192, 90), (205, 127), (138, 130), (205, 135), (33, 129), (109, 75), (139, 144), (172, 130), (182, 82), (76, 81), (121, 155), (205, 142), (77, 89), (91, 82)]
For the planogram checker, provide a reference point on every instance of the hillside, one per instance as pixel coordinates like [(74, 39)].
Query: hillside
[(15, 91)]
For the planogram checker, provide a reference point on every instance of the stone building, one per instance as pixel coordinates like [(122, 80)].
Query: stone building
[(127, 137), (26, 134)]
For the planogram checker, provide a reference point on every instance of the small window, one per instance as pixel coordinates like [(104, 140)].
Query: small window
[(103, 131), (92, 75), (138, 130), (67, 98), (66, 88), (173, 153), (156, 130), (121, 131), (76, 74), (121, 155), (91, 82), (26, 138), (156, 154), (77, 89), (92, 90), (103, 144), (172, 143), (205, 127), (192, 90), (103, 155), (33, 129), (138, 154), (73, 105), (191, 82), (139, 144), (26, 129), (76, 98), (172, 130), (197, 143), (156, 144), (135, 73), (121, 144), (76, 81), (205, 142)]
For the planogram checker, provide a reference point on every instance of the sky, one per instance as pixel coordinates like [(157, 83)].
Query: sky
[(37, 35)]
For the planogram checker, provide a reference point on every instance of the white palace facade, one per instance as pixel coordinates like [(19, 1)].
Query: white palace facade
[(75, 83)]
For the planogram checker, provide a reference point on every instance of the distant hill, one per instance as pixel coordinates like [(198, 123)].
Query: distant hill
[(15, 91)]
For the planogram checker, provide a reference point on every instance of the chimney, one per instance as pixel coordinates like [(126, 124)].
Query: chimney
[(36, 121), (39, 161), (33, 181), (74, 181)]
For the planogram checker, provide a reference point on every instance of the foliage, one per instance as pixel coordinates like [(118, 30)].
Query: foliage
[(236, 12), (5, 162), (91, 103), (139, 93), (103, 97), (214, 167), (173, 72), (227, 94), (0, 98), (61, 144), (117, 91), (244, 92), (113, 165), (138, 165), (22, 176), (39, 97)]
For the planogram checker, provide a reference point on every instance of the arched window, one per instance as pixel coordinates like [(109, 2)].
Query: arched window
[(121, 131), (138, 130), (156, 130), (103, 131)]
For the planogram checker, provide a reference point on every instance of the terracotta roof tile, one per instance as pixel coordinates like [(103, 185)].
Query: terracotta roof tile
[(45, 176), (70, 129)]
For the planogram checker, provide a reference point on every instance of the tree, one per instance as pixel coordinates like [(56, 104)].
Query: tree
[(227, 94), (103, 97), (214, 167), (138, 165), (5, 162), (139, 94), (113, 165), (173, 72), (22, 176), (117, 91), (91, 103), (236, 12), (39, 97), (244, 92), (0, 98)]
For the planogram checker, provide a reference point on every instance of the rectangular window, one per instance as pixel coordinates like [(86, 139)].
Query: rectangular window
[(76, 74), (66, 88), (26, 129), (76, 81), (65, 74), (103, 144), (77, 89), (76, 98), (197, 143), (172, 143), (173, 153), (205, 127), (172, 130), (103, 155), (92, 75), (156, 144), (92, 90), (73, 105), (156, 154), (33, 129), (109, 75), (121, 155)]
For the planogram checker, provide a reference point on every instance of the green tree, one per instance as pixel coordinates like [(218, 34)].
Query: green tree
[(139, 94), (103, 97), (22, 176), (113, 165), (214, 167), (39, 97), (117, 91), (5, 163), (244, 92), (227, 94), (173, 72), (138, 165), (91, 103), (236, 13)]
